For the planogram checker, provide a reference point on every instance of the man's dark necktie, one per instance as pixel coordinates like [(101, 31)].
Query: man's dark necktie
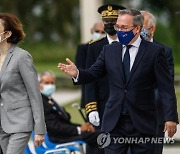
[(126, 63), (126, 67), (114, 42)]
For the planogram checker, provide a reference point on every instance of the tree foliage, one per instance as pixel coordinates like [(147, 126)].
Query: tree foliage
[(45, 19), (171, 7), (59, 19)]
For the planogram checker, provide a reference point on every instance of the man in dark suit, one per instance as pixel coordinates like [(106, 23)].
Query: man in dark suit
[(97, 32), (59, 127), (97, 93), (147, 33), (134, 67)]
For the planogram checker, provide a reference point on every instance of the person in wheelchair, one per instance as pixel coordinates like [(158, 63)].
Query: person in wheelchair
[(60, 129)]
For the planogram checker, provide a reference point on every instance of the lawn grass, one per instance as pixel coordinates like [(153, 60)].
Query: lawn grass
[(47, 55), (75, 115), (178, 101), (41, 67), (177, 69)]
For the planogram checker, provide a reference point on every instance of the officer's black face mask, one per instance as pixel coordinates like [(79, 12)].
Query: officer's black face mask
[(109, 28)]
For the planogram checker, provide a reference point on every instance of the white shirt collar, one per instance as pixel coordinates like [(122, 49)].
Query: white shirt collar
[(151, 40), (136, 43), (110, 40)]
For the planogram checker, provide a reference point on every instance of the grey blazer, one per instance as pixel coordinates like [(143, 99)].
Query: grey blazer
[(21, 104)]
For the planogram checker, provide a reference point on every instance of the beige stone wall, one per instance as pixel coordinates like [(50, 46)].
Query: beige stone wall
[(88, 16)]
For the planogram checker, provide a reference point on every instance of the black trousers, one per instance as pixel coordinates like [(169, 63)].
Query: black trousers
[(160, 133), (0, 150), (125, 131)]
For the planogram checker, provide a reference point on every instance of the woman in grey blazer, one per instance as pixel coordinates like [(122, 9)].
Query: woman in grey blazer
[(21, 107)]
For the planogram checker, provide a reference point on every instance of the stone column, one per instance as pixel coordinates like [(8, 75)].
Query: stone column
[(88, 16)]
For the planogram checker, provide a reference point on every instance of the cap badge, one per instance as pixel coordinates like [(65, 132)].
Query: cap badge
[(109, 8)]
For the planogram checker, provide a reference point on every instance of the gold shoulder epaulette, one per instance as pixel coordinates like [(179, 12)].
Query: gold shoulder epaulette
[(92, 106), (92, 41)]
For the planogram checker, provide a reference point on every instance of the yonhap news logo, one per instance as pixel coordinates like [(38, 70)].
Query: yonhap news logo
[(103, 140)]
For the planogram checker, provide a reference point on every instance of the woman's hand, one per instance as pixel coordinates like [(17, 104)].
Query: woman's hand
[(38, 140)]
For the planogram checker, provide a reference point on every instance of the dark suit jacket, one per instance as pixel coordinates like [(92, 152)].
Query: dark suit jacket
[(170, 62), (149, 68), (80, 61), (59, 127), (169, 57), (97, 91), (58, 124)]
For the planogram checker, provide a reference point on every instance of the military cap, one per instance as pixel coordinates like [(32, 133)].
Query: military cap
[(110, 10)]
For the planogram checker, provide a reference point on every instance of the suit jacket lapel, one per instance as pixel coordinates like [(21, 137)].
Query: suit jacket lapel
[(106, 40), (7, 59), (119, 57), (141, 51)]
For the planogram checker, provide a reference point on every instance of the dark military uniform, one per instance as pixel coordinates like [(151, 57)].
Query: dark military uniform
[(80, 61), (97, 91)]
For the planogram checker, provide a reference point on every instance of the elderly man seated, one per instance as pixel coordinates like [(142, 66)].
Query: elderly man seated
[(59, 127)]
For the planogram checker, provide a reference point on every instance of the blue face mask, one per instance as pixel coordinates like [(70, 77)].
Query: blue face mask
[(145, 34), (48, 89), (96, 36), (125, 37)]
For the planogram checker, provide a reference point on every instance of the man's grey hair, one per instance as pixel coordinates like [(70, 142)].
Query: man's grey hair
[(138, 18), (46, 73), (152, 19)]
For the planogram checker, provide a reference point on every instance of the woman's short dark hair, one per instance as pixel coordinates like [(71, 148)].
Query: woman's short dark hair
[(12, 23)]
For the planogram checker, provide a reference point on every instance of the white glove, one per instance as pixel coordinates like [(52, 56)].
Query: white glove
[(94, 118)]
